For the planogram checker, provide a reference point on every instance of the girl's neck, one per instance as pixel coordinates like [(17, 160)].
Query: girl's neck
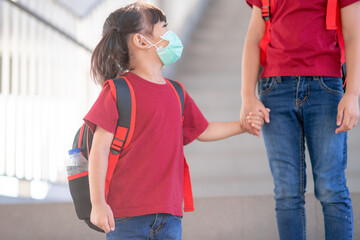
[(150, 74)]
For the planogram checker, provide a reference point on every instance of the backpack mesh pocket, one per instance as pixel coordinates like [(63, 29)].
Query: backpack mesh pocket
[(79, 189)]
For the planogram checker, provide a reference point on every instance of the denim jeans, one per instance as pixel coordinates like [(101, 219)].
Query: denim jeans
[(304, 109), (150, 227)]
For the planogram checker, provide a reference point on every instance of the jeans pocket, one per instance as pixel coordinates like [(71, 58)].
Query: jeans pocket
[(332, 85), (178, 217), (266, 85), (122, 219)]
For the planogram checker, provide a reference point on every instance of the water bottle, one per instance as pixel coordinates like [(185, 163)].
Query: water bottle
[(77, 162)]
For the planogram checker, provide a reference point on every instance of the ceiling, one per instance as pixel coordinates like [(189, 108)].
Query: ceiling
[(81, 8)]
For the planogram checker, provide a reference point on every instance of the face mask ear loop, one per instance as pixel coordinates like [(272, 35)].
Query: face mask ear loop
[(151, 44), (164, 34)]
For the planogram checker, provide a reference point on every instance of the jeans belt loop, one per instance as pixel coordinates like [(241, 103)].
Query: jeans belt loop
[(278, 79), (316, 78)]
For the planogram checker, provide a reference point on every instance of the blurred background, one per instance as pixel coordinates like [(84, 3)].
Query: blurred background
[(46, 90)]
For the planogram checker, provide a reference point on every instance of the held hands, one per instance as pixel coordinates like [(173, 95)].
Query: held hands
[(102, 216), (253, 114), (255, 120)]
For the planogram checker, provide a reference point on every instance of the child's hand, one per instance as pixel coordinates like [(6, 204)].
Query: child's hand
[(102, 216), (256, 121)]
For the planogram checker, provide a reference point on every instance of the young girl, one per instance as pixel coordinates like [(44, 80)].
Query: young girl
[(146, 192)]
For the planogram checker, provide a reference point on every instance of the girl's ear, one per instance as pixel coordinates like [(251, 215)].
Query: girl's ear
[(139, 42)]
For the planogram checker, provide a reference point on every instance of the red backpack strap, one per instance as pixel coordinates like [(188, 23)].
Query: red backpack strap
[(187, 189), (188, 196), (179, 91), (333, 22), (331, 12), (124, 96), (267, 10)]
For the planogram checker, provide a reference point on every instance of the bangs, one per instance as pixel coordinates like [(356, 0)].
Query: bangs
[(149, 14), (154, 14)]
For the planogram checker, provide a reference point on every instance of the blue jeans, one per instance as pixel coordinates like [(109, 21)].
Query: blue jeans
[(304, 109), (150, 227)]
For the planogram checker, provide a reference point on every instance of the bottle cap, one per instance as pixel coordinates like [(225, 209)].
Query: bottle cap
[(75, 150)]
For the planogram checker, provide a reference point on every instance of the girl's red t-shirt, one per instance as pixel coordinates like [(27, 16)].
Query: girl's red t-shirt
[(300, 45), (149, 175)]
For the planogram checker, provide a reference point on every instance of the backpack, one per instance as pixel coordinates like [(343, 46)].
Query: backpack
[(124, 96), (333, 22)]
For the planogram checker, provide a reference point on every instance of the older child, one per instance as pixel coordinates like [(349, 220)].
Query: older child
[(301, 84), (146, 193)]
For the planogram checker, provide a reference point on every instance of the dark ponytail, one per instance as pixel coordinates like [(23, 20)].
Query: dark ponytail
[(111, 56)]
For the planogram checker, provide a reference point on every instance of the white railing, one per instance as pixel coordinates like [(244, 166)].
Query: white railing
[(43, 96)]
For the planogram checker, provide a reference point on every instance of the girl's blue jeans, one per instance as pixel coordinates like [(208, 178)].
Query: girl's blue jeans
[(150, 227), (304, 110)]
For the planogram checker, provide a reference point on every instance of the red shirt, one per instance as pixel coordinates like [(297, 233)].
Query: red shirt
[(149, 175), (300, 45)]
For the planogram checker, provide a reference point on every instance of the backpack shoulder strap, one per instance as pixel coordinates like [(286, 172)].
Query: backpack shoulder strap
[(331, 12), (124, 96), (333, 22), (267, 10), (179, 90)]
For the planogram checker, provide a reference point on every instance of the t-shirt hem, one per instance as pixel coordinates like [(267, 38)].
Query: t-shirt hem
[(346, 3), (265, 74), (200, 130), (93, 123), (252, 3), (140, 212)]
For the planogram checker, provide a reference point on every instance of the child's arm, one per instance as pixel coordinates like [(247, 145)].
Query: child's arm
[(101, 214), (250, 70), (348, 108), (220, 130)]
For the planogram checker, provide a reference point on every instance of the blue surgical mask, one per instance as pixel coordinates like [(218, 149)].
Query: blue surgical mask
[(172, 52)]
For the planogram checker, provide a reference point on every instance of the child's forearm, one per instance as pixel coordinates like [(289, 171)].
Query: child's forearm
[(98, 163), (251, 54), (220, 130), (250, 69), (97, 174), (352, 49)]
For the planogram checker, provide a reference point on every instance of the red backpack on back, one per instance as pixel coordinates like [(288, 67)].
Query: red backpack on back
[(124, 96)]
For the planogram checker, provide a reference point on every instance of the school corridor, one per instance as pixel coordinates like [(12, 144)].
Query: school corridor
[(231, 180)]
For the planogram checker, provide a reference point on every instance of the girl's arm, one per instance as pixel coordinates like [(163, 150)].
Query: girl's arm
[(101, 214), (220, 130), (250, 70), (348, 109)]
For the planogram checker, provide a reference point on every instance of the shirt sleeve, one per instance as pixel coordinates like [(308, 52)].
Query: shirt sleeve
[(104, 112), (194, 122), (252, 3), (345, 3)]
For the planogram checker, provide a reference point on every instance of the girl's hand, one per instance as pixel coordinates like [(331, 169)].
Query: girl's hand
[(102, 216), (256, 120)]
